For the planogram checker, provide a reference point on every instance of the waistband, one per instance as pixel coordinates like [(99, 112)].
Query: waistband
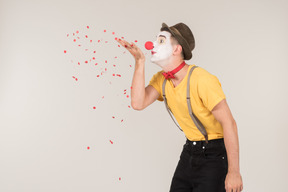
[(214, 142)]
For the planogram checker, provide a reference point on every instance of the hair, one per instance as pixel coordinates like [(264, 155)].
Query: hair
[(175, 42)]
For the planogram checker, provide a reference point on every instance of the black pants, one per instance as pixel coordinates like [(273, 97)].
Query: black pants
[(202, 167)]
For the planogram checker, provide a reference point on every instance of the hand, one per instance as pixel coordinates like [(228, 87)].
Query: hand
[(133, 49), (233, 182)]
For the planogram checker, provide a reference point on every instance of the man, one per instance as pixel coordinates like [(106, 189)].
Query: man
[(203, 167)]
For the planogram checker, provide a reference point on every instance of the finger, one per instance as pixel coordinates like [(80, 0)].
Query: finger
[(124, 43)]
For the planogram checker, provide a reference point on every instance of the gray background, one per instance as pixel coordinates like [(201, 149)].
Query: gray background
[(47, 119)]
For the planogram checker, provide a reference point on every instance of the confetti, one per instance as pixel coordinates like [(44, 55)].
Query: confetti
[(115, 38), (93, 58), (94, 107), (87, 27), (86, 36), (94, 52), (90, 41), (113, 117), (64, 51), (98, 41), (127, 96), (113, 33), (86, 61), (105, 30), (119, 178), (136, 41), (105, 61), (122, 120), (74, 40), (111, 142), (88, 147), (77, 32), (78, 63)]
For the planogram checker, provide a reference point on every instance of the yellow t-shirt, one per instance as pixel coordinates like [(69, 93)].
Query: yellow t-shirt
[(205, 94)]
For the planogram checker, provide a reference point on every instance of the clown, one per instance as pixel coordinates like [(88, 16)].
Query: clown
[(203, 164)]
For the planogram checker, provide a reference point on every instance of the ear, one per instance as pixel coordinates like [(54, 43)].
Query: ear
[(177, 49)]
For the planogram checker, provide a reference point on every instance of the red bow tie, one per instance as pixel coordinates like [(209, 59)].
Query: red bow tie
[(170, 74)]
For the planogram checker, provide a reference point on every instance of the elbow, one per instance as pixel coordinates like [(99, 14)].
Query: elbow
[(136, 107)]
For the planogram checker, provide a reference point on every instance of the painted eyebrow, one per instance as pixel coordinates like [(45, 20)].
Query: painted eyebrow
[(162, 36)]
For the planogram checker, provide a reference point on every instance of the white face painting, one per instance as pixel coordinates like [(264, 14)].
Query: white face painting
[(163, 49)]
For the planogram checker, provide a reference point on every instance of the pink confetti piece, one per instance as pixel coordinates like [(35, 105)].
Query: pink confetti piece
[(78, 63), (77, 32), (115, 57), (122, 120), (105, 61), (127, 96), (91, 41), (79, 45), (78, 37), (96, 64), (122, 37), (113, 117), (75, 78), (65, 51), (131, 87), (105, 69), (111, 142), (86, 36), (87, 27), (98, 41), (93, 58), (105, 30), (88, 147), (130, 65), (67, 35), (118, 45), (94, 107), (114, 65), (119, 178), (86, 49), (73, 34), (113, 33), (103, 97), (106, 41), (74, 40), (94, 52), (116, 38), (129, 106)]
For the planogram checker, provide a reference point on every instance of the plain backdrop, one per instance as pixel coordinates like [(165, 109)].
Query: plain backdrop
[(53, 139)]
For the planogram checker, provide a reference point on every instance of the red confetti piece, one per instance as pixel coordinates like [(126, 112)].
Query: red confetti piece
[(125, 89), (106, 41), (78, 63), (77, 31), (98, 41), (79, 45), (64, 51), (94, 107), (118, 45), (127, 96), (96, 64), (105, 61), (86, 49), (88, 147), (113, 33), (97, 75), (103, 97), (115, 57), (113, 74), (131, 87), (105, 69), (105, 30), (78, 37), (86, 36), (122, 120), (93, 58), (90, 41), (87, 27), (129, 106), (111, 142), (115, 38), (130, 65), (74, 40), (113, 117), (114, 65), (67, 35), (73, 34), (122, 37), (86, 61), (136, 41), (94, 52), (125, 45), (119, 178)]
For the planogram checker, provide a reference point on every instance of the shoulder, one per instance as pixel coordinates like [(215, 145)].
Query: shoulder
[(201, 74)]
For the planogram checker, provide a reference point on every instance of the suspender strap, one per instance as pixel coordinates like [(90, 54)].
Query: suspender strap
[(165, 101), (196, 121)]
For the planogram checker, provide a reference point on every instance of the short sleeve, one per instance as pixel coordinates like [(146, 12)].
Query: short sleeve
[(210, 91), (156, 83)]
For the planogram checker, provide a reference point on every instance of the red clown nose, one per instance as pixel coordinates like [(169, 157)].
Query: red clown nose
[(149, 45)]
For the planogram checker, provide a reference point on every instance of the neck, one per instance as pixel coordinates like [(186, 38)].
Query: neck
[(181, 73)]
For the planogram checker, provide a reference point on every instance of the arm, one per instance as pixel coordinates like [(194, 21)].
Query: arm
[(223, 114)]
